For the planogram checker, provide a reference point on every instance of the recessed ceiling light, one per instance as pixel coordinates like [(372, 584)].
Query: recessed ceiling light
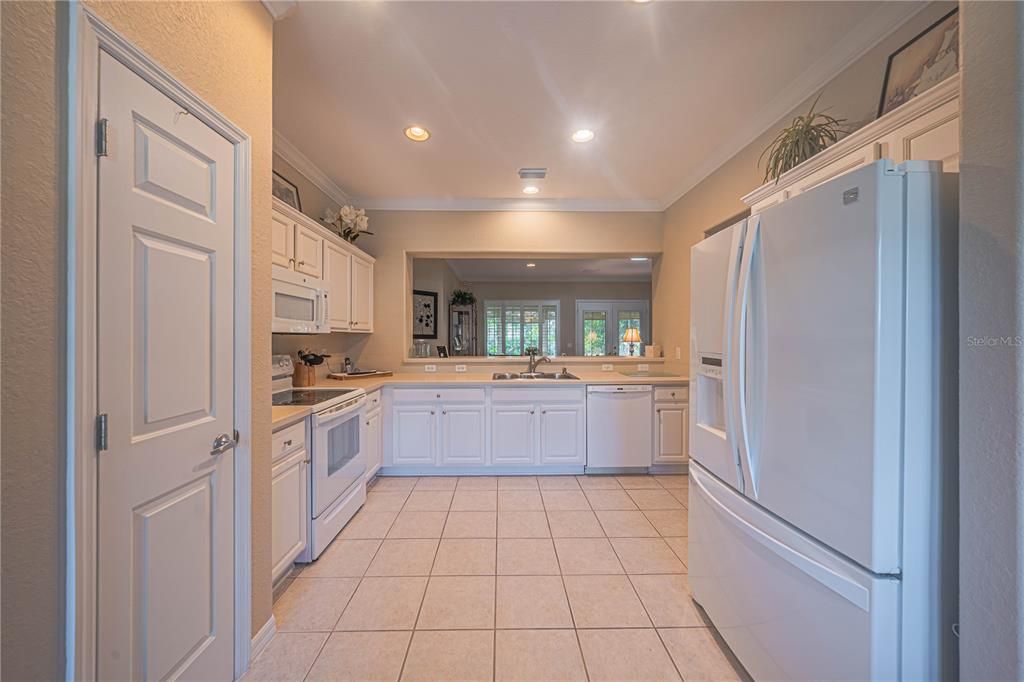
[(583, 135), (531, 189), (531, 265), (639, 258), (641, 2), (417, 133)]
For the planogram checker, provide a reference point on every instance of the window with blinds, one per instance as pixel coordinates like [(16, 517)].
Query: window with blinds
[(510, 327)]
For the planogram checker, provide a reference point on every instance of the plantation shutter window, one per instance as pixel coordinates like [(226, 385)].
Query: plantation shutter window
[(513, 326)]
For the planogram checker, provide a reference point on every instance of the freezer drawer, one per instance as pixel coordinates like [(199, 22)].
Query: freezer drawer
[(788, 607)]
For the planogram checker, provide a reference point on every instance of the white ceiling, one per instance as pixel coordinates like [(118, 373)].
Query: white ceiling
[(550, 270), (672, 89)]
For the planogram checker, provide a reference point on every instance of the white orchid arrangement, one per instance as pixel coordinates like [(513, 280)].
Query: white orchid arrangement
[(350, 221)]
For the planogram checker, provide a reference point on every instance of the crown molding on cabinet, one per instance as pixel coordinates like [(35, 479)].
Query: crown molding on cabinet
[(526, 205), (290, 153), (875, 28)]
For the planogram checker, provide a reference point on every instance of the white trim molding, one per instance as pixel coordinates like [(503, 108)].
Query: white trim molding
[(262, 638), (300, 162), (88, 35), (525, 205), (280, 9)]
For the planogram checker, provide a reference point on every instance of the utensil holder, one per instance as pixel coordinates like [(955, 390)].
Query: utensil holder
[(305, 375)]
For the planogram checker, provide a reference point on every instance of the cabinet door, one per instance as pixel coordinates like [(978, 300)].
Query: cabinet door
[(670, 438), (309, 252), (282, 241), (934, 136), (338, 273), (513, 435), (562, 434), (415, 434), (289, 511), (852, 161), (463, 435), (372, 445), (362, 295)]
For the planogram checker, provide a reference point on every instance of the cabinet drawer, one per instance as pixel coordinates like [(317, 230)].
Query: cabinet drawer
[(288, 440), (372, 400), (673, 394), (570, 394), (448, 395)]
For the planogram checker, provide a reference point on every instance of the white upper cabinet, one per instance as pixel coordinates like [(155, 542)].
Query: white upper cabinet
[(282, 240), (927, 128), (309, 252), (299, 243), (362, 294), (338, 273)]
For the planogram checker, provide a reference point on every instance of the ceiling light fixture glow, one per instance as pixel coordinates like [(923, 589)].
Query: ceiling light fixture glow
[(417, 133), (583, 135), (638, 258), (531, 189), (531, 265)]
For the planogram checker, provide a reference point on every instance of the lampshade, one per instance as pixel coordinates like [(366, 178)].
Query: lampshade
[(632, 335)]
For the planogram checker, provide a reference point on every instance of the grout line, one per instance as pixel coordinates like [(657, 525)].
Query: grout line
[(317, 657), (668, 653)]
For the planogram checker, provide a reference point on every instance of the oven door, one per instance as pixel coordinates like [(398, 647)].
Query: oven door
[(299, 303), (338, 461)]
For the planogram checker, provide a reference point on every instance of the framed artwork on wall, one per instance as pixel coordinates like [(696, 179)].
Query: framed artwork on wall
[(424, 314), (286, 191), (929, 58)]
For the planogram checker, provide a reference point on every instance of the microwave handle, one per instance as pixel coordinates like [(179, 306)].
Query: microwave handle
[(326, 320)]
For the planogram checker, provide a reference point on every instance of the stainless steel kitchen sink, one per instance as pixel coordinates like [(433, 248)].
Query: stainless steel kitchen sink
[(528, 376)]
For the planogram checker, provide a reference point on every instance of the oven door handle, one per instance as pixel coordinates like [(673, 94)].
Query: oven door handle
[(339, 411)]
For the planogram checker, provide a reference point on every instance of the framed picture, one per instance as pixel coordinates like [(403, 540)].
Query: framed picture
[(442, 351), (929, 58), (424, 314), (286, 191)]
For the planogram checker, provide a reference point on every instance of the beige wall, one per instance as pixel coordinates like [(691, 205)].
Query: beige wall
[(312, 198), (853, 95), (446, 234), (223, 52), (434, 274), (566, 293)]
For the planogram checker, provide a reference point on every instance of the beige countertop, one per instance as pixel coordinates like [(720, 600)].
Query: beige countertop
[(284, 415)]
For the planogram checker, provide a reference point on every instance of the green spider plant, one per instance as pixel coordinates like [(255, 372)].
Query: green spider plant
[(805, 137)]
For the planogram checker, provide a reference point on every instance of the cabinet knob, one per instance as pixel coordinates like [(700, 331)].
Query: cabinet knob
[(438, 395), (444, 411), (673, 394), (432, 412), (287, 443), (532, 412)]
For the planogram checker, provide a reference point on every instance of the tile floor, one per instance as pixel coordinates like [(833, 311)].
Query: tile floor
[(500, 578)]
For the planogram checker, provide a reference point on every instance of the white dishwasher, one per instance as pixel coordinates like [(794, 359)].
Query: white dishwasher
[(620, 425)]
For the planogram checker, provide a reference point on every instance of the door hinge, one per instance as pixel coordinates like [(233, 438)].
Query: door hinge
[(101, 432), (101, 137)]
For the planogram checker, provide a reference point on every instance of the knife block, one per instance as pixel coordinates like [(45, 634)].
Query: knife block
[(305, 375)]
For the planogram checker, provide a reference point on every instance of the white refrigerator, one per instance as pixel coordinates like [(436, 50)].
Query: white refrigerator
[(822, 516)]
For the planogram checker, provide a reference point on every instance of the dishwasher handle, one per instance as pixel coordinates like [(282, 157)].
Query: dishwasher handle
[(629, 388)]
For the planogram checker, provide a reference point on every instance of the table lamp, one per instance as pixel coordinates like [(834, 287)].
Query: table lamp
[(632, 337)]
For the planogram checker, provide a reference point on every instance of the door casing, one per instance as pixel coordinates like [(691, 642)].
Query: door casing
[(87, 34)]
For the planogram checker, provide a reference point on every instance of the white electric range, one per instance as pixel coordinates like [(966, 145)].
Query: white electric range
[(337, 487)]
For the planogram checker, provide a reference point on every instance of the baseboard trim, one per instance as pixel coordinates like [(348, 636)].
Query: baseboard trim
[(263, 637)]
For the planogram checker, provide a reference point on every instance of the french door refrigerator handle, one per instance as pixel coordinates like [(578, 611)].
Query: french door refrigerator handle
[(747, 261), (729, 319)]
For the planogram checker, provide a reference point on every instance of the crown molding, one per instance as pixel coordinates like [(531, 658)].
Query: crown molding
[(871, 31), (526, 205), (290, 153), (279, 9)]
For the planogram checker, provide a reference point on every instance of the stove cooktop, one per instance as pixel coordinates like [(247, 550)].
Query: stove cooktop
[(309, 396)]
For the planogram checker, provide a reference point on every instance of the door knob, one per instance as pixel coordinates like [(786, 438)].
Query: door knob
[(224, 442)]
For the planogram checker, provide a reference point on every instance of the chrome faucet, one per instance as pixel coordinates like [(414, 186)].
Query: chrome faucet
[(534, 360)]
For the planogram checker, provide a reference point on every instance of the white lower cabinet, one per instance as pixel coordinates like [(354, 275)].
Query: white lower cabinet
[(513, 440), (463, 435), (414, 435), (563, 434), (373, 444), (289, 510), (671, 421)]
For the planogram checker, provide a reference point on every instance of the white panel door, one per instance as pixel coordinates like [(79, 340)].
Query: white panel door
[(415, 435), (933, 137), (820, 373), (165, 363), (338, 273), (309, 252), (374, 448), (289, 494), (362, 295), (464, 435), (513, 434), (282, 241), (670, 441), (563, 434)]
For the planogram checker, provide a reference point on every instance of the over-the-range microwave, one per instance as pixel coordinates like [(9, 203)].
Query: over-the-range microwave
[(299, 304)]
